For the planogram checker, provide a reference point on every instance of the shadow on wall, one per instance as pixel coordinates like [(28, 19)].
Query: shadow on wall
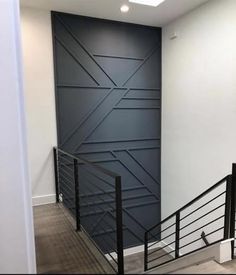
[(44, 174)]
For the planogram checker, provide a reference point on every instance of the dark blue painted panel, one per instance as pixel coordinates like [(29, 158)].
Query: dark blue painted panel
[(108, 97)]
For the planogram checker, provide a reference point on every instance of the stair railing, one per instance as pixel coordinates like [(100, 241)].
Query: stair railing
[(204, 221), (93, 196)]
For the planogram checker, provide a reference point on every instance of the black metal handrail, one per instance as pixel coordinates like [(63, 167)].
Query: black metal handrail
[(161, 248), (74, 177)]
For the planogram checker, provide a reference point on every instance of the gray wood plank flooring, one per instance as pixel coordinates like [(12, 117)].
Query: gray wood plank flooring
[(62, 250), (59, 248)]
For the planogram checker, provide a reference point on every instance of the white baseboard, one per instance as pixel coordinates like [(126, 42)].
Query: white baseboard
[(46, 199), (168, 248), (132, 250), (137, 249)]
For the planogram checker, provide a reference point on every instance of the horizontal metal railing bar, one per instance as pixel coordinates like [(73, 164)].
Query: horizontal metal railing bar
[(108, 203), (96, 176), (95, 212), (61, 176), (102, 210), (62, 183), (66, 166), (94, 204), (113, 199), (113, 196), (160, 248), (163, 221), (67, 160), (96, 194), (163, 240), (99, 187), (201, 237), (71, 177), (203, 205), (202, 227), (202, 216), (131, 197), (198, 249), (102, 169), (155, 259), (65, 181), (129, 207), (68, 188), (66, 177), (107, 231), (162, 232), (113, 191), (191, 202), (67, 192), (101, 199)]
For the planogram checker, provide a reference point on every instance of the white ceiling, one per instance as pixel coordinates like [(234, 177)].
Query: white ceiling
[(110, 9)]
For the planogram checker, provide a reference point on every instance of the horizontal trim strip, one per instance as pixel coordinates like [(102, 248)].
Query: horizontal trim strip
[(118, 57), (106, 87), (124, 140)]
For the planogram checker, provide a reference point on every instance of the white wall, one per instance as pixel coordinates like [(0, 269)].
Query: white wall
[(40, 101), (198, 102), (17, 252)]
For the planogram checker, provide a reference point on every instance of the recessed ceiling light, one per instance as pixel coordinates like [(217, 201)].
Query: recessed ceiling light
[(153, 3), (124, 8)]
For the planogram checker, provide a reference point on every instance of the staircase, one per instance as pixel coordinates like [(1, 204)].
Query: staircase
[(203, 229)]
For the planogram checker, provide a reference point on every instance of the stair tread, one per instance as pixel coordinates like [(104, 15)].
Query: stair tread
[(210, 267)]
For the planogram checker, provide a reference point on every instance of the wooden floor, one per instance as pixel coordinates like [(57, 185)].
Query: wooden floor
[(62, 250), (210, 267), (59, 249)]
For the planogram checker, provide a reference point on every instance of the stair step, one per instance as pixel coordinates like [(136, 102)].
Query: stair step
[(209, 267)]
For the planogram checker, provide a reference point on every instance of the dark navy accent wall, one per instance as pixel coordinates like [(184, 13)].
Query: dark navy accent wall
[(108, 100)]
